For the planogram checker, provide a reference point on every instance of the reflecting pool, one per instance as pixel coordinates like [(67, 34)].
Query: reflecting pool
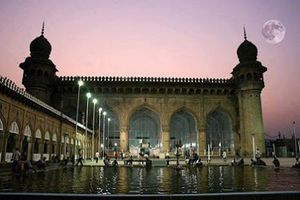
[(156, 180)]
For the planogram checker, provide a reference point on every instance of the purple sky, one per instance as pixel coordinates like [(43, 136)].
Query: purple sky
[(170, 38)]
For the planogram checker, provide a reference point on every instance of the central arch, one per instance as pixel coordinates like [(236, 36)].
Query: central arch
[(183, 130), (219, 132), (144, 132)]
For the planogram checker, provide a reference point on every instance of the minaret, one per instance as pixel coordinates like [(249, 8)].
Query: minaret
[(39, 70), (248, 77)]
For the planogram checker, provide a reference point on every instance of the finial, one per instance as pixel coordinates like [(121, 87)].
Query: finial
[(245, 35), (43, 28)]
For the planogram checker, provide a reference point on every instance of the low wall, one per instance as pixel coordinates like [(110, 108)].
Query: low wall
[(207, 196)]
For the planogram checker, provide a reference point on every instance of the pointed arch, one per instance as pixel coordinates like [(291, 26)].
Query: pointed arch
[(27, 131), (14, 128), (54, 137), (183, 130), (140, 107), (144, 130), (38, 134), (47, 135), (220, 131)]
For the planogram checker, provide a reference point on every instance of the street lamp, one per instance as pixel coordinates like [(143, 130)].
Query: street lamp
[(108, 120), (94, 102), (104, 113), (99, 147), (80, 83), (88, 96)]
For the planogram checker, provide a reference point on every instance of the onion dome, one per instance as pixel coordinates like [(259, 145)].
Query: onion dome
[(40, 47), (247, 51)]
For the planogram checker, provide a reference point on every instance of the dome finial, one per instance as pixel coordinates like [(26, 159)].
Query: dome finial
[(43, 28), (245, 35)]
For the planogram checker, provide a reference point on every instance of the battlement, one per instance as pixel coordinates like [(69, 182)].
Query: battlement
[(145, 79)]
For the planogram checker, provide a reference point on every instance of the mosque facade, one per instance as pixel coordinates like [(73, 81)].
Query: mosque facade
[(156, 115)]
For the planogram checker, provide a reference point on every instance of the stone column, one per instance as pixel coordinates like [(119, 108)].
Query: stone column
[(41, 147), (124, 139), (30, 152), (165, 138), (202, 141)]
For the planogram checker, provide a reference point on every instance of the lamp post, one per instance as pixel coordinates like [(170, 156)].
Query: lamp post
[(94, 102), (80, 83), (104, 113), (99, 122), (294, 129), (108, 120), (88, 96)]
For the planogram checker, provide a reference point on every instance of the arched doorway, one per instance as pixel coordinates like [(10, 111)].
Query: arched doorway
[(11, 140), (26, 143), (53, 147), (219, 132), (46, 145), (36, 145), (144, 132), (183, 131)]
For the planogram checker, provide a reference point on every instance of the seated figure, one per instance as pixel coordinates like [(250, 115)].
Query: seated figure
[(297, 163), (258, 162), (148, 162), (114, 163), (198, 162), (41, 164)]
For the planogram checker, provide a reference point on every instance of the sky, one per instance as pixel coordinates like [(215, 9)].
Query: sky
[(160, 38)]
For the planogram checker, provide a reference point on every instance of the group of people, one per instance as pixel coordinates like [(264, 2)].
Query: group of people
[(194, 160), (21, 164)]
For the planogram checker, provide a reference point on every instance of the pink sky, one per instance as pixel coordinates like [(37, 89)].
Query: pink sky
[(169, 38)]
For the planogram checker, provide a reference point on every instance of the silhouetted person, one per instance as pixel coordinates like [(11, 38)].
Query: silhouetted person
[(276, 162), (79, 160), (148, 162), (198, 162), (97, 156), (130, 160), (106, 162), (16, 159), (115, 163), (41, 164)]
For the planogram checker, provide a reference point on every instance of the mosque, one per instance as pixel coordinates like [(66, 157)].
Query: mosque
[(156, 115)]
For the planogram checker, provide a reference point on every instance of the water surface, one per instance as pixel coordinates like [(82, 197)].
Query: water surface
[(156, 180)]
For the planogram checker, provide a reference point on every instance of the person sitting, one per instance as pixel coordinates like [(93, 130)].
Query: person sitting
[(237, 160), (148, 162), (114, 163), (297, 163), (258, 162), (106, 162), (198, 162), (130, 160), (276, 161), (195, 158), (41, 164)]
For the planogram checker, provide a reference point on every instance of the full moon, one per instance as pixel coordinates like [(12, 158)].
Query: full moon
[(273, 31)]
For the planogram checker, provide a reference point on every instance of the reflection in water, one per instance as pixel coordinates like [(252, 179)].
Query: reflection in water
[(156, 180)]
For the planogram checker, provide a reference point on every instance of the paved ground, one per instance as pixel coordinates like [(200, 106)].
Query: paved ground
[(284, 162), (5, 169)]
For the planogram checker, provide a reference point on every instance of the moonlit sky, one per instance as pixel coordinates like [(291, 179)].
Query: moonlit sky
[(160, 38)]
